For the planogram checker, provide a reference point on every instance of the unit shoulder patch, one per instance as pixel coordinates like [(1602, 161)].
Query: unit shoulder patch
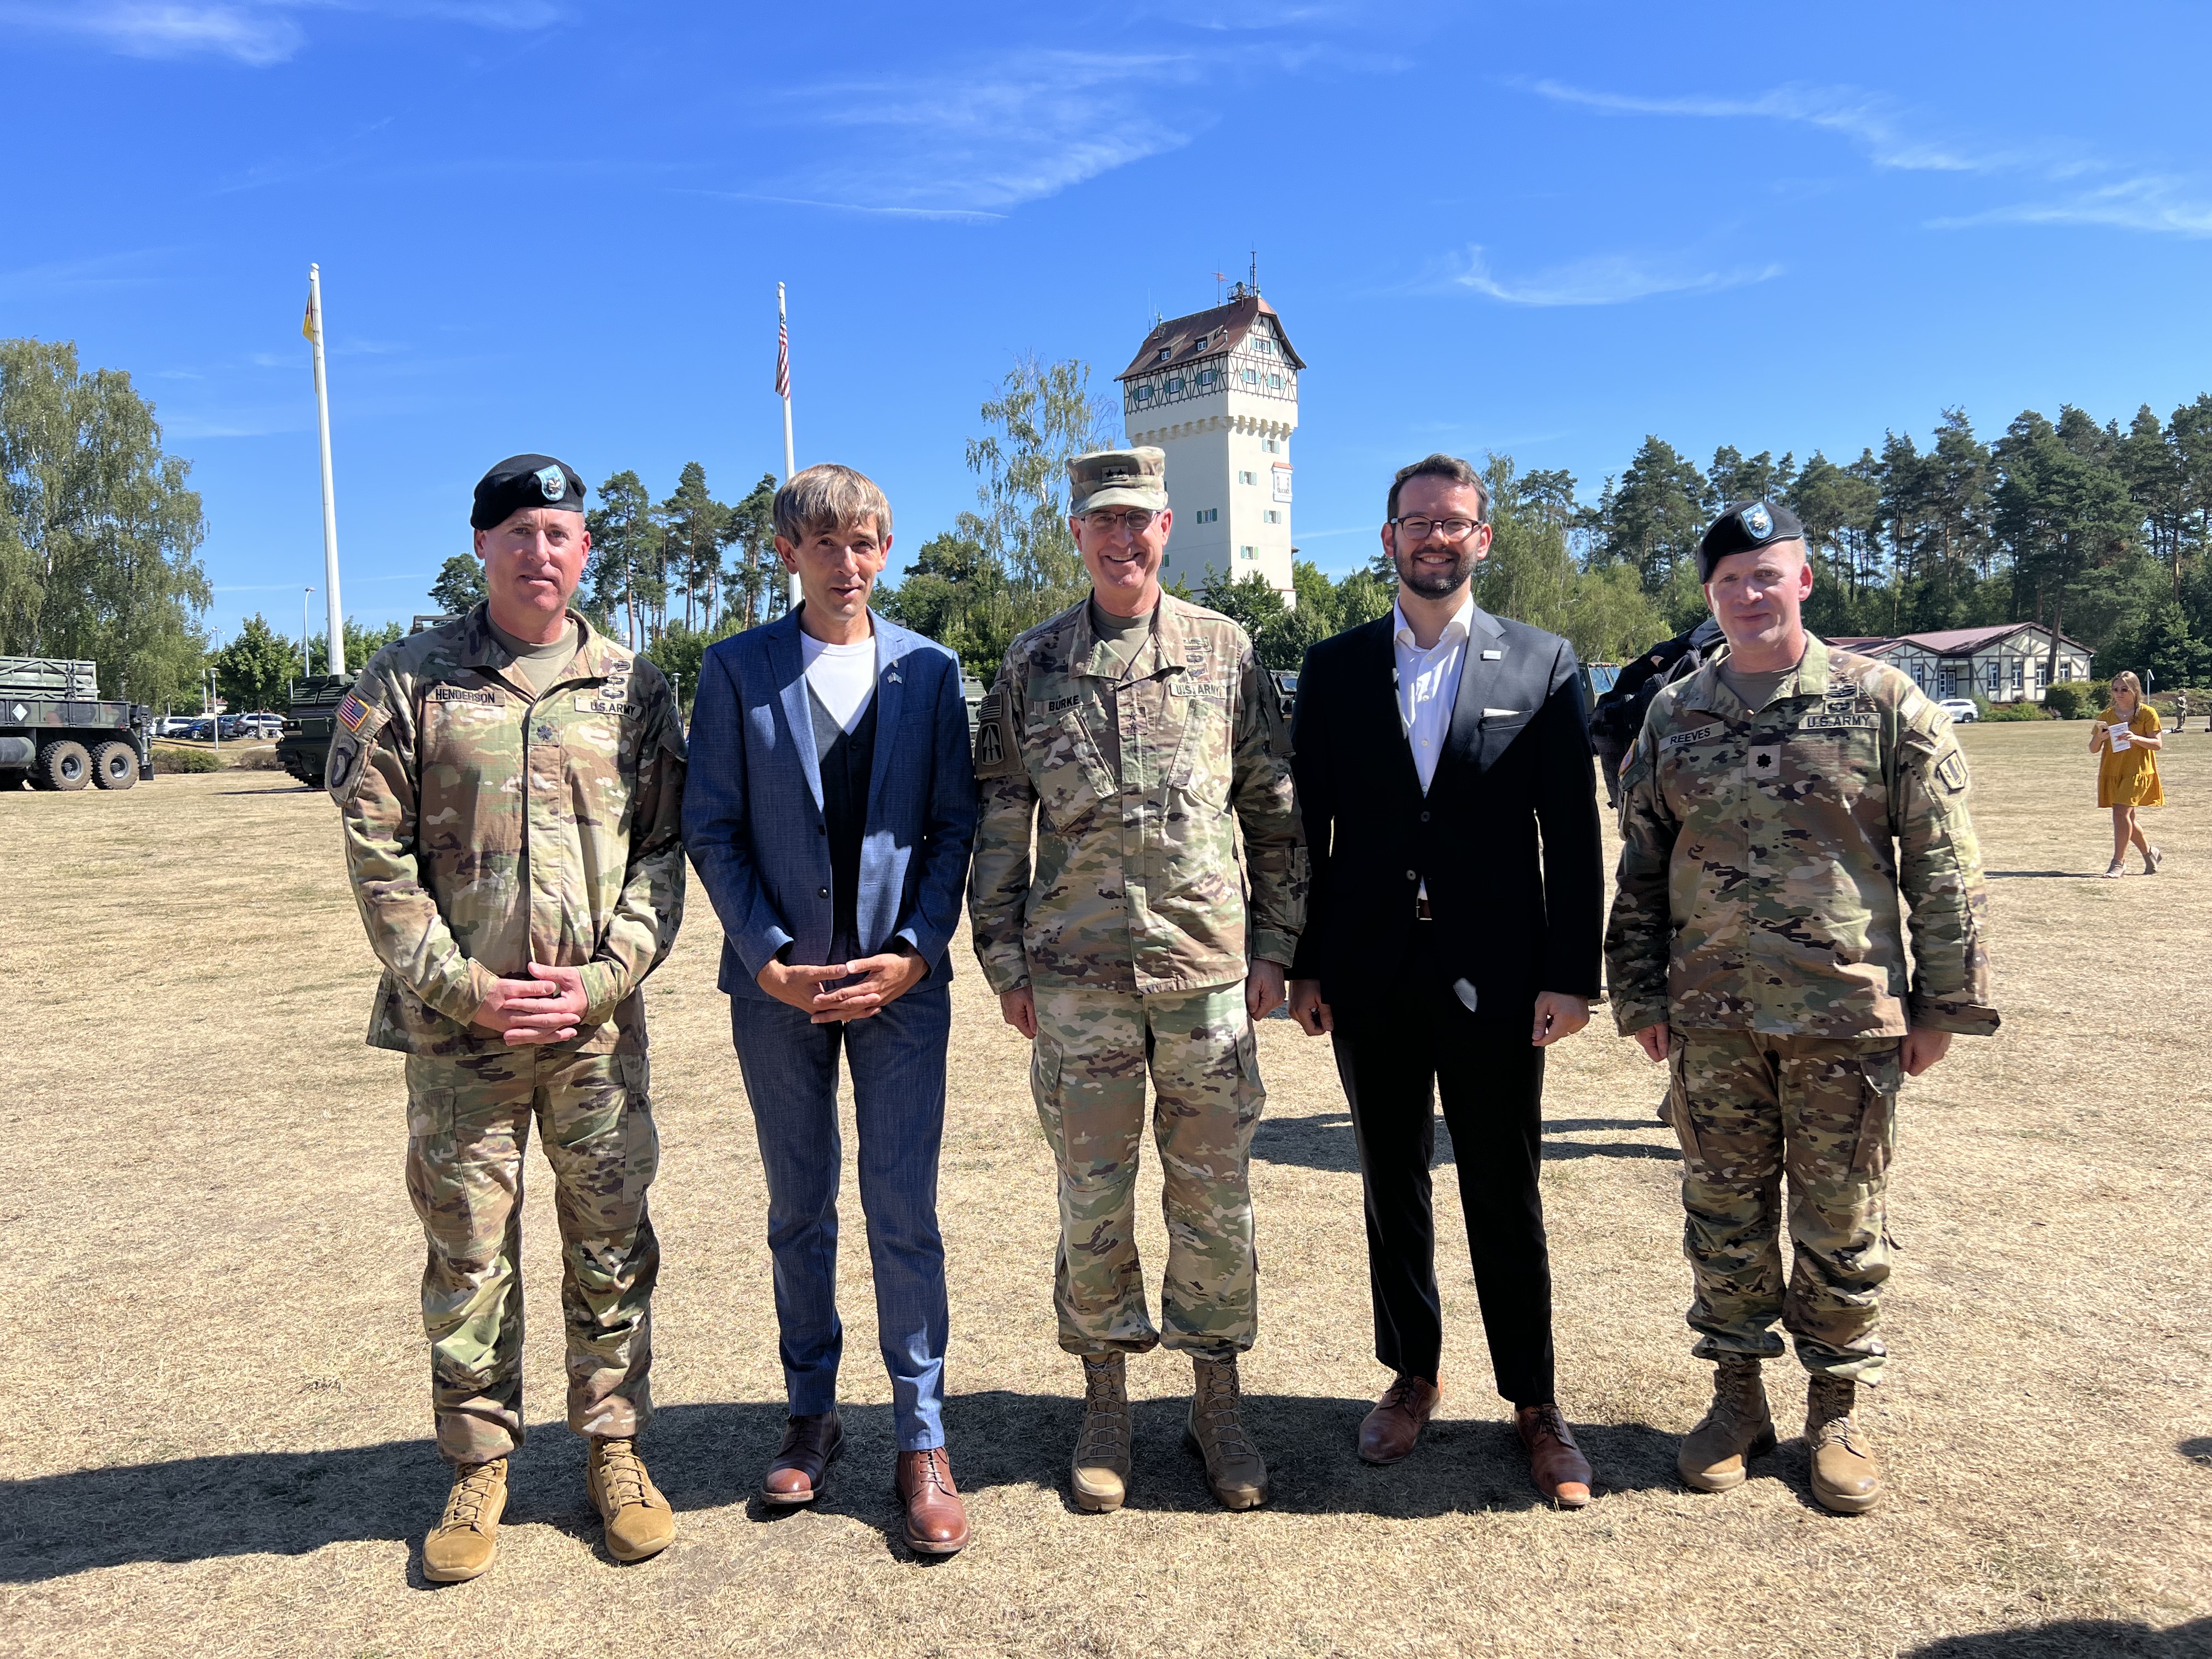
[(1951, 769)]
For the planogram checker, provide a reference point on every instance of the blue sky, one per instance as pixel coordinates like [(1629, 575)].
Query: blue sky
[(1545, 230)]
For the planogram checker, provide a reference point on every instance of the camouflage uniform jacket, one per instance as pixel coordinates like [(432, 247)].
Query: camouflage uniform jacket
[(487, 825), (1762, 855), (1136, 885)]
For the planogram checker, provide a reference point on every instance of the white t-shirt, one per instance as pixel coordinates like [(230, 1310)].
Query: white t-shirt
[(842, 675)]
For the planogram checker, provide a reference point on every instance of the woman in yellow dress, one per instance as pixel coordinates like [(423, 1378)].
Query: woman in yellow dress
[(2127, 776)]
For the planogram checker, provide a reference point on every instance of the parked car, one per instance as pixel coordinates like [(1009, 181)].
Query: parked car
[(261, 726), (1960, 709), (174, 726)]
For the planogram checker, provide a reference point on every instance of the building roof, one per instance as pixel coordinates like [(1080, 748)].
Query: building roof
[(1207, 334), (1947, 641)]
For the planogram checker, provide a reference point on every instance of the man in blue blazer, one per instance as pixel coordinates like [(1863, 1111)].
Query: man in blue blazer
[(828, 810)]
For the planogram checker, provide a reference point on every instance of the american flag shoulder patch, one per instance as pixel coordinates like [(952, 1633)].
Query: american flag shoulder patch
[(351, 713)]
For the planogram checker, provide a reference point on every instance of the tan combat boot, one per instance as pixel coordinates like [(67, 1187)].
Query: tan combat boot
[(1736, 1428), (466, 1538), (1845, 1476), (638, 1519), (1234, 1469), (1101, 1470)]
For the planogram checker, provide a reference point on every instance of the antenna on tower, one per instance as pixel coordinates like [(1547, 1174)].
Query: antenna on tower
[(1255, 283)]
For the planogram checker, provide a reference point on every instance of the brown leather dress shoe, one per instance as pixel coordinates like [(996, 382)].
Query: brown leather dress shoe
[(810, 1444), (1562, 1474), (936, 1520), (1387, 1434)]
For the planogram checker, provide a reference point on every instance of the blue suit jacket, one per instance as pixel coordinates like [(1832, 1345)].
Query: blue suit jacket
[(753, 803)]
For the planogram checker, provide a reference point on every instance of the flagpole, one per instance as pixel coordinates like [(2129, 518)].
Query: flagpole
[(334, 658), (783, 385)]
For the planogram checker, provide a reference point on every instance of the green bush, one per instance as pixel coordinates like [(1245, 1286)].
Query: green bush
[(2022, 710), (186, 760), (2068, 700), (2097, 697)]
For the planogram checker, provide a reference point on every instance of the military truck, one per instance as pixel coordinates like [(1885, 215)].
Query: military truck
[(56, 730)]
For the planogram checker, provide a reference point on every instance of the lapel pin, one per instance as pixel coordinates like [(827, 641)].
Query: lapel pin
[(1491, 656)]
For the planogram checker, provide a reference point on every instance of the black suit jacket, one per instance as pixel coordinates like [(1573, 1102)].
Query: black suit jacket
[(1507, 836)]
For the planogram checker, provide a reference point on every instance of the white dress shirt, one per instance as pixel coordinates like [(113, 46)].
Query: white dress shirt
[(1428, 684)]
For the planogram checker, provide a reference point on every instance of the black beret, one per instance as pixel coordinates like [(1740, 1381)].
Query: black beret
[(525, 481), (1741, 526)]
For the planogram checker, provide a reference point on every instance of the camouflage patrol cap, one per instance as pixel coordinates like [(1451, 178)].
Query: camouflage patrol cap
[(1118, 478), (1741, 526)]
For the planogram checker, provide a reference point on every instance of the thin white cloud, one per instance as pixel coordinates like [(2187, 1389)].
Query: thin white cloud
[(255, 33), (1868, 120), (2154, 203), (962, 216), (1608, 279), (992, 135), (103, 270)]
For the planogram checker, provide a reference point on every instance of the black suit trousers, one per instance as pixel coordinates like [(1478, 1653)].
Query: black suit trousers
[(1395, 1059)]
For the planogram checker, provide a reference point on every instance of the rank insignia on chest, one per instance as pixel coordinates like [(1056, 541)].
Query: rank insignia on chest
[(1763, 761)]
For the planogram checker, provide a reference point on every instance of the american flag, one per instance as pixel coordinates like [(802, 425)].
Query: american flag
[(782, 357)]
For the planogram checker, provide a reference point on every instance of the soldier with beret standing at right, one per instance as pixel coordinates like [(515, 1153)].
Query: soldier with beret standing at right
[(509, 786), (1783, 805)]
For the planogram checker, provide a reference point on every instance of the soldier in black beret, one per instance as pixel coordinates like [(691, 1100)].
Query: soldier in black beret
[(1790, 809)]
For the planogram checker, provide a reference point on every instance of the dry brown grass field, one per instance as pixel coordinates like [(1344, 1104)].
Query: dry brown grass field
[(217, 1425)]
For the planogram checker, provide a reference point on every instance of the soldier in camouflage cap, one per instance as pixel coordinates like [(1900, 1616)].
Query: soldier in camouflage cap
[(508, 787), (1783, 805), (1137, 732)]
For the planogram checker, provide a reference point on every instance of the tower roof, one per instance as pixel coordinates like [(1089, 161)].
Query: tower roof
[(1207, 334)]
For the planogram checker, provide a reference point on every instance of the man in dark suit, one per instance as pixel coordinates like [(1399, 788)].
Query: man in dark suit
[(1443, 771), (829, 814)]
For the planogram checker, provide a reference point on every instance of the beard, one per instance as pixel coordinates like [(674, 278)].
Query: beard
[(1430, 582)]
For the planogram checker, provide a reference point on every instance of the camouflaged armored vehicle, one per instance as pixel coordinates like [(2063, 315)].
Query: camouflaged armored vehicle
[(306, 743)]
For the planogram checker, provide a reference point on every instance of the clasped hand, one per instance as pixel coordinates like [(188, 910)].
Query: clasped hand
[(545, 1008), (882, 980)]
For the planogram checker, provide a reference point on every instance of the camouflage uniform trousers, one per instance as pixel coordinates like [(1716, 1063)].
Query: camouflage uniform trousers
[(468, 1129), (1748, 1107), (1087, 1070)]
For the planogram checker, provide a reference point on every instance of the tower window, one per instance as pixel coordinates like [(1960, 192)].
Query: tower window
[(1274, 383), (1272, 445), (1144, 394), (1274, 517), (1205, 377), (1247, 477), (1251, 377), (1166, 352), (1175, 383), (1248, 552)]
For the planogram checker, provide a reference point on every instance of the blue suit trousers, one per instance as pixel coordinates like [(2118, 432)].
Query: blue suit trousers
[(897, 1061)]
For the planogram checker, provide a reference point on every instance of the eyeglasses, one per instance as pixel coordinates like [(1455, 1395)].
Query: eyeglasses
[(1136, 520), (1453, 530)]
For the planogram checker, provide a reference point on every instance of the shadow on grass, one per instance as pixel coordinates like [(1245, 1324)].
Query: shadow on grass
[(1325, 1141), (2199, 1449), (280, 789), (712, 1456), (2086, 1636), (2041, 875)]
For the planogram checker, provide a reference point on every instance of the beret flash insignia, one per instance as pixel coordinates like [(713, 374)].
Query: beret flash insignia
[(553, 483), (1757, 519)]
